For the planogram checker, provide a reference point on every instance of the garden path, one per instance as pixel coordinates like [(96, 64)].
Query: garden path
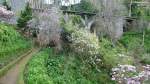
[(12, 76)]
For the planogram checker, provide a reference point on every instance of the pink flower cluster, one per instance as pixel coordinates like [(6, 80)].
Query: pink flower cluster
[(4, 13), (128, 74)]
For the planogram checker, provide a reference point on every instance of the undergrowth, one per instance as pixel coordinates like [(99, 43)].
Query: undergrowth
[(135, 44)]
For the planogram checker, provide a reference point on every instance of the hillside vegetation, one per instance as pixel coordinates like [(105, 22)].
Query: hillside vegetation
[(89, 42), (12, 44)]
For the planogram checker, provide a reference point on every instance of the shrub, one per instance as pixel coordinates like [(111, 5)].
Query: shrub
[(68, 28), (25, 16), (76, 19), (85, 43)]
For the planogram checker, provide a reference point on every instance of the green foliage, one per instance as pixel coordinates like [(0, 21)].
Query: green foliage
[(145, 58), (49, 68), (71, 24), (10, 43), (76, 20), (69, 27), (87, 46), (25, 16), (140, 11), (131, 42), (36, 72), (64, 70), (69, 69), (5, 3), (87, 6), (134, 43), (83, 6), (113, 55), (147, 41)]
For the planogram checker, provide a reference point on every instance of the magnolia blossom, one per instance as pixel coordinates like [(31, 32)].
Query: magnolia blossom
[(128, 74), (87, 45), (84, 42), (4, 13)]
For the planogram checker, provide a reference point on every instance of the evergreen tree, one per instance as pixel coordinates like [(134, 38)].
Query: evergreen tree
[(25, 16), (83, 6), (87, 6)]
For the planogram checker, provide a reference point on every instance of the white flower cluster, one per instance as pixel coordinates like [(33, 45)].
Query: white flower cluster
[(4, 13), (128, 74), (85, 43)]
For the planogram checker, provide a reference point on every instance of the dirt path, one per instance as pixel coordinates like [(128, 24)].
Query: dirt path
[(12, 76)]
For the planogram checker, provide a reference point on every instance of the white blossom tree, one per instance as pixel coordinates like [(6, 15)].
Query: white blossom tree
[(5, 14), (48, 24)]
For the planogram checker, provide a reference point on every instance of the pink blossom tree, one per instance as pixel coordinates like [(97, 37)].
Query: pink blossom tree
[(5, 14)]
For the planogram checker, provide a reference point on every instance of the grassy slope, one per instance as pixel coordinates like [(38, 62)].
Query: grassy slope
[(67, 68), (62, 69), (12, 44), (134, 44)]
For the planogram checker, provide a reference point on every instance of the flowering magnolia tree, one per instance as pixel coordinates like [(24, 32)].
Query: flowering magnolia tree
[(5, 14), (48, 25), (87, 46), (84, 42), (128, 74)]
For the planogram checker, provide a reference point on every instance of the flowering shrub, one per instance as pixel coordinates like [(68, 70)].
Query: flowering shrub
[(4, 13), (85, 43), (128, 74)]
